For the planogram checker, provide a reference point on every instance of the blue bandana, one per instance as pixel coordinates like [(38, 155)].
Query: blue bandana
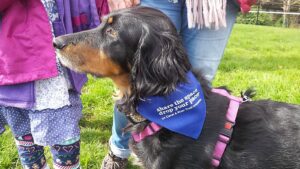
[(182, 111)]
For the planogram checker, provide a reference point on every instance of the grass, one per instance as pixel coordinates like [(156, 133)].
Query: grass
[(266, 58)]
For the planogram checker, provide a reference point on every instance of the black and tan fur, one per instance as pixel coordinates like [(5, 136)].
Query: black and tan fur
[(139, 49)]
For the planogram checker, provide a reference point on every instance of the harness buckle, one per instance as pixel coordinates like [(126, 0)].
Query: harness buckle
[(228, 129)]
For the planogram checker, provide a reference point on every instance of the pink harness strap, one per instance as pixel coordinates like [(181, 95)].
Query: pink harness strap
[(225, 134), (151, 129)]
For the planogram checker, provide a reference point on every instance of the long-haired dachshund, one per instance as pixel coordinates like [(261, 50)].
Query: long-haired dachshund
[(139, 49)]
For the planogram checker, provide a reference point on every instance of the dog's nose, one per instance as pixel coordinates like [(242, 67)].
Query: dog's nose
[(58, 44)]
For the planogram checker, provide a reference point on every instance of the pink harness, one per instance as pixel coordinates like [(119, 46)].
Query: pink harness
[(151, 129), (225, 133)]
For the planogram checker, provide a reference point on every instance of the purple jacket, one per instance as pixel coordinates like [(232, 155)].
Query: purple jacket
[(75, 15)]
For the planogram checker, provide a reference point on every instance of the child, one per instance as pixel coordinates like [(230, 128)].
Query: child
[(39, 99)]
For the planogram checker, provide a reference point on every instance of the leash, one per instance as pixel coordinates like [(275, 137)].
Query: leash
[(224, 135)]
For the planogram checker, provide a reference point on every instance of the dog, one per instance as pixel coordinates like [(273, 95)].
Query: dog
[(140, 50)]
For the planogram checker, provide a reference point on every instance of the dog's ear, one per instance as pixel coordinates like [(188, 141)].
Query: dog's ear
[(160, 62)]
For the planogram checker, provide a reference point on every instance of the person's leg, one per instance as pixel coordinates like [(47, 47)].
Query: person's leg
[(66, 154), (119, 140), (205, 47), (59, 128), (2, 123), (172, 8), (31, 155), (117, 158)]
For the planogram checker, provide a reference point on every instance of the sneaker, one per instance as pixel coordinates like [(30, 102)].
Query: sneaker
[(111, 161)]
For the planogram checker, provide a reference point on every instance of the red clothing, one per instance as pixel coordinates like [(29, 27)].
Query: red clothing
[(245, 5)]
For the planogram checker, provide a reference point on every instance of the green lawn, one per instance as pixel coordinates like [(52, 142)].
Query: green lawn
[(266, 58)]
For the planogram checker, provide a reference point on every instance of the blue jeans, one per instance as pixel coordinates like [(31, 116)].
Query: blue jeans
[(205, 49)]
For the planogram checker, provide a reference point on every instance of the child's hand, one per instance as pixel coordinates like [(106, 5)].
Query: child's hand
[(120, 4)]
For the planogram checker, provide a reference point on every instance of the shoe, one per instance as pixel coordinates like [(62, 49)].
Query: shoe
[(111, 161)]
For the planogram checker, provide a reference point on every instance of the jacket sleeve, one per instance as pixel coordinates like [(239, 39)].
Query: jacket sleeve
[(4, 4)]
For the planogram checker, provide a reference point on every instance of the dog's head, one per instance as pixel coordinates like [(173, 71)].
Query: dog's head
[(138, 48)]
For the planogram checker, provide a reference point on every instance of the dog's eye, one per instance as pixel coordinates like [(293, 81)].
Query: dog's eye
[(111, 32)]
